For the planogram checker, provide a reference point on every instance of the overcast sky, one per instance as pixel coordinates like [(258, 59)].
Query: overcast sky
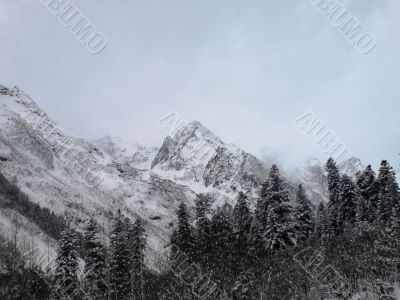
[(245, 69)]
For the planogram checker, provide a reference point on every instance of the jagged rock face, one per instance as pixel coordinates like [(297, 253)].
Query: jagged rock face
[(196, 157), (221, 169), (234, 171), (169, 156), (188, 151)]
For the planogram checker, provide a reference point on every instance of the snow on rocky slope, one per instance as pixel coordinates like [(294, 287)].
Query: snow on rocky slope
[(77, 179)]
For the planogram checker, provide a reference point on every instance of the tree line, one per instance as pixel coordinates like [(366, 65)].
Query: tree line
[(274, 249), (251, 253)]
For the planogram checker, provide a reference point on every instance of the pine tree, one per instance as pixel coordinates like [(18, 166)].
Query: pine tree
[(66, 271), (303, 215), (95, 264), (319, 220), (183, 237), (183, 251), (256, 241), (203, 230), (333, 178), (139, 246), (347, 203), (279, 230), (262, 203), (120, 260), (367, 188), (242, 215), (222, 242), (363, 210), (388, 193), (242, 225)]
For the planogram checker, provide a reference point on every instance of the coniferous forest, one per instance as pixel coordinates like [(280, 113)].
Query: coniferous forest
[(274, 249)]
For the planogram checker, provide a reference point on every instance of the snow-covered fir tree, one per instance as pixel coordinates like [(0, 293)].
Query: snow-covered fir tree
[(348, 200), (203, 229), (303, 214), (279, 231), (183, 235), (138, 254), (96, 271), (333, 178), (66, 283), (242, 215), (242, 220), (363, 210), (120, 259), (320, 217), (222, 245), (388, 192), (367, 189)]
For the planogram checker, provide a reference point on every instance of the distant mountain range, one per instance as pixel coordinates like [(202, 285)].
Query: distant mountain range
[(76, 178)]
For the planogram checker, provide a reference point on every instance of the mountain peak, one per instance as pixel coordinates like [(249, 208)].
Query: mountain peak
[(351, 166), (16, 100), (197, 130), (14, 92)]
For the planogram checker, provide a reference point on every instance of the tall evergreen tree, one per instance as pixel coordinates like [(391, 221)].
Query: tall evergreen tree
[(66, 271), (388, 193), (333, 178), (319, 220), (139, 246), (260, 219), (95, 263), (120, 260), (222, 242), (183, 237), (279, 229), (303, 215), (262, 203), (347, 203), (203, 229), (242, 217), (367, 188), (363, 210), (242, 220)]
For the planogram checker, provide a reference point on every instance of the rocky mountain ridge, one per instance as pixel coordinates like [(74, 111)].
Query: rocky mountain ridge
[(76, 178)]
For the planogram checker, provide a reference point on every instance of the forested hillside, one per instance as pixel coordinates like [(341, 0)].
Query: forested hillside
[(347, 248)]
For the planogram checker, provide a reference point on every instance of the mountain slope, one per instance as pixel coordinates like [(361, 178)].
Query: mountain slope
[(73, 178)]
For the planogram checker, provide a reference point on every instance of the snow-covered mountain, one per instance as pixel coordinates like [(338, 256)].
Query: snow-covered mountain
[(76, 178), (197, 158)]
